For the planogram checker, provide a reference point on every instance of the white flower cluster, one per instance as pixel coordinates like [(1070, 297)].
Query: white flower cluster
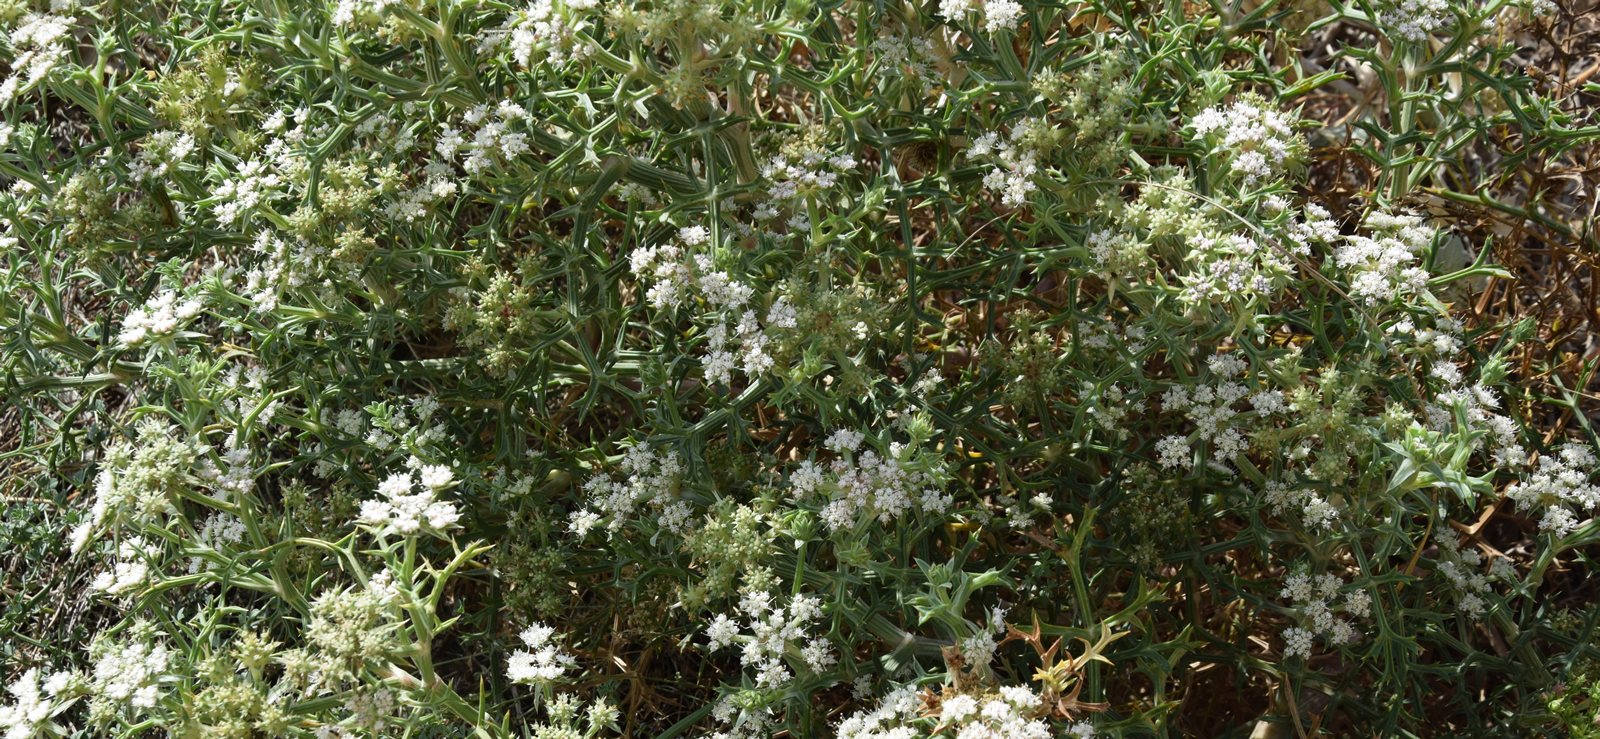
[(396, 427), (351, 12), (1111, 337), (160, 317), (1315, 512), (1011, 712), (287, 151), (633, 192), (1383, 267), (254, 184), (1456, 564), (1416, 20), (652, 480), (675, 282), (438, 182), (1258, 142), (903, 57), (1444, 341), (385, 132), (1174, 451), (1019, 512), (371, 710), (1479, 401), (220, 529), (239, 475), (547, 28), (746, 723), (1210, 407), (543, 662), (134, 481), (162, 152), (285, 264), (867, 484), (1315, 598), (812, 170), (24, 719), (978, 649), (1232, 266), (129, 673), (492, 140), (1560, 484), (773, 632), (40, 41), (997, 14), (1316, 225), (722, 356), (1008, 714), (1108, 408), (663, 264), (1117, 254), (131, 568), (406, 512), (1016, 160), (890, 719)]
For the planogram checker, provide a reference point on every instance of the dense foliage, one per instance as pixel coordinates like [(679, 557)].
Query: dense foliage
[(981, 369)]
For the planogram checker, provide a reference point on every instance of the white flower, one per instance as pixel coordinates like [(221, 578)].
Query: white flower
[(1259, 141), (130, 570), (954, 9), (1382, 264), (160, 317), (1228, 444), (1020, 696), (130, 674), (39, 42), (1298, 642), (755, 602), (407, 513), (544, 31), (958, 708), (782, 314), (543, 662), (349, 12), (1001, 14), (719, 367), (845, 440), (255, 184), (721, 632), (1226, 366), (1416, 20), (818, 654), (1174, 452), (1561, 481), (23, 719), (1016, 157), (583, 522), (437, 476), (694, 235), (162, 151), (1268, 402)]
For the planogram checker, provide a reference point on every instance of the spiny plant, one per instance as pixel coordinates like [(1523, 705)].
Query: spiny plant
[(985, 369)]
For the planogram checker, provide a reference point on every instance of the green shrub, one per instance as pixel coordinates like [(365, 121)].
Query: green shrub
[(862, 369)]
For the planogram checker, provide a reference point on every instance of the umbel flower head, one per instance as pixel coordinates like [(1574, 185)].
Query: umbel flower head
[(160, 318), (543, 662), (405, 512), (33, 707)]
